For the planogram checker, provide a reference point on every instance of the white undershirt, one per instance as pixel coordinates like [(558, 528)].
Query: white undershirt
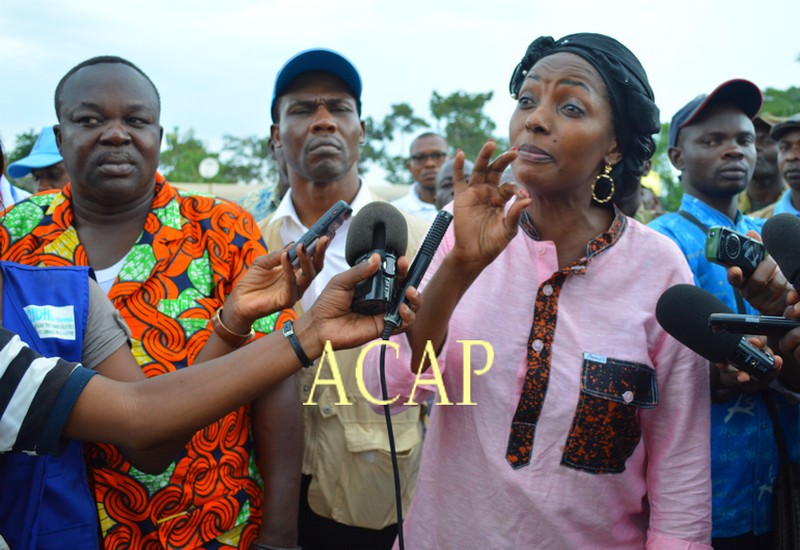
[(107, 276)]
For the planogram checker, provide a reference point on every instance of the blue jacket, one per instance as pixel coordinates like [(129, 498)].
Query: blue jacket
[(45, 501)]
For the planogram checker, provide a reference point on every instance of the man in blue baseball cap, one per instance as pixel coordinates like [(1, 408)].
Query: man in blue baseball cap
[(712, 141), (347, 493), (44, 163)]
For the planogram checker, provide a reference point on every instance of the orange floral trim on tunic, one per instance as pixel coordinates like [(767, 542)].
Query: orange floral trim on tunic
[(540, 342)]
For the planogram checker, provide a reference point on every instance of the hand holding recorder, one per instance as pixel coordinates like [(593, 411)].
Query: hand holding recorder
[(684, 311), (750, 269), (273, 283)]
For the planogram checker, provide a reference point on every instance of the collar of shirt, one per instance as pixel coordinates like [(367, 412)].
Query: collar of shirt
[(286, 213), (594, 247), (707, 214), (784, 204)]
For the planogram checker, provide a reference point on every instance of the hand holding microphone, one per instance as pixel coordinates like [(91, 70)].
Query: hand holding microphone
[(781, 235), (381, 228), (684, 310), (766, 288), (378, 228)]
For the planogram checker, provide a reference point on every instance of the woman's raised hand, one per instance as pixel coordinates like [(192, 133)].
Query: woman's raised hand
[(482, 226)]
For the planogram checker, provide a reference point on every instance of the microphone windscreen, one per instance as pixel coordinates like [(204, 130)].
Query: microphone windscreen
[(683, 311), (781, 236), (363, 227)]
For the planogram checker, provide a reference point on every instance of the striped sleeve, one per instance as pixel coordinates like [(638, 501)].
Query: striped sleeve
[(36, 396)]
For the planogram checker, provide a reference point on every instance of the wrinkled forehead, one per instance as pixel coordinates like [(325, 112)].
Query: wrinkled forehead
[(566, 63)]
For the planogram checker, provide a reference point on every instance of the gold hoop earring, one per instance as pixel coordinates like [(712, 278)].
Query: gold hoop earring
[(606, 175)]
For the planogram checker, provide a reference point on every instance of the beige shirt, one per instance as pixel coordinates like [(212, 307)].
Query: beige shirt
[(346, 447)]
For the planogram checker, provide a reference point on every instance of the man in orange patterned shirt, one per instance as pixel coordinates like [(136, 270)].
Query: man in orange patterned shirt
[(168, 260)]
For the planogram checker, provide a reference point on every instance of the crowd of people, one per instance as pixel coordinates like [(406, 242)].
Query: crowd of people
[(205, 374)]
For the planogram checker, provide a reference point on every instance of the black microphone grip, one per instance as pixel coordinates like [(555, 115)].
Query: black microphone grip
[(419, 266), (751, 359)]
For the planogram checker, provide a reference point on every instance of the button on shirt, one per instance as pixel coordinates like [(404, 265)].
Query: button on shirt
[(744, 457), (468, 495)]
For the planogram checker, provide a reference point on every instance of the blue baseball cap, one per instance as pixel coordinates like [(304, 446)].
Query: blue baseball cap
[(318, 59), (43, 154), (742, 93)]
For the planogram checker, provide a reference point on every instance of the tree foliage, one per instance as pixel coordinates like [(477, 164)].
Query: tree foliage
[(672, 190), (782, 102), (465, 125), (459, 117), (180, 160), (400, 123), (247, 160)]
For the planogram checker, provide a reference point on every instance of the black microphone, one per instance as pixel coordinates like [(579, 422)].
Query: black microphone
[(781, 236), (419, 266), (683, 311), (378, 228)]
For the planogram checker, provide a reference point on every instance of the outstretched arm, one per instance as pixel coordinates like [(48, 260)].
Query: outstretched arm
[(149, 412)]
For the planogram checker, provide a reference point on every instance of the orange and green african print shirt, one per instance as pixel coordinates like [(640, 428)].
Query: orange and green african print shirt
[(193, 248)]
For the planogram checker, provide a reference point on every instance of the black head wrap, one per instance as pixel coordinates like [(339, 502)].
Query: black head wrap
[(636, 117)]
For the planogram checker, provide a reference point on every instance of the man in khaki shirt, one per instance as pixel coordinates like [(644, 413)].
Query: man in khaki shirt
[(347, 497)]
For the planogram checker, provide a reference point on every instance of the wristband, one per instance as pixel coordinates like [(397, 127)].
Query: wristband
[(231, 338), (288, 331)]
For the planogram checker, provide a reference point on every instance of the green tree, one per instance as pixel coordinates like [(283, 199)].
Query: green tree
[(22, 146), (464, 123), (782, 102), (459, 117), (672, 190), (181, 158), (247, 160), (380, 139)]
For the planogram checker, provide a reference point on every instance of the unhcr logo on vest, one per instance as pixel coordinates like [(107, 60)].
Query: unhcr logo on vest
[(52, 321)]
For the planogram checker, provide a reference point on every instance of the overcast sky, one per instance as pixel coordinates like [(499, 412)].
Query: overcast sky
[(215, 62)]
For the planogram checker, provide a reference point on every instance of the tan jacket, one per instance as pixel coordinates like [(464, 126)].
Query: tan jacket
[(346, 447)]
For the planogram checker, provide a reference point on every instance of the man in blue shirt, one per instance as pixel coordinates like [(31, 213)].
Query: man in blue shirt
[(712, 143), (787, 136)]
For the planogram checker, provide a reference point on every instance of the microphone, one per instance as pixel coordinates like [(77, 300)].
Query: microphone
[(683, 311), (418, 267), (781, 236), (378, 228)]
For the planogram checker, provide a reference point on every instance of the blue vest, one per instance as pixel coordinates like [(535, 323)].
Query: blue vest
[(45, 501)]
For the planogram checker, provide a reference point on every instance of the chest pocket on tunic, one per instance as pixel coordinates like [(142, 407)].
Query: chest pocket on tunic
[(605, 429)]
